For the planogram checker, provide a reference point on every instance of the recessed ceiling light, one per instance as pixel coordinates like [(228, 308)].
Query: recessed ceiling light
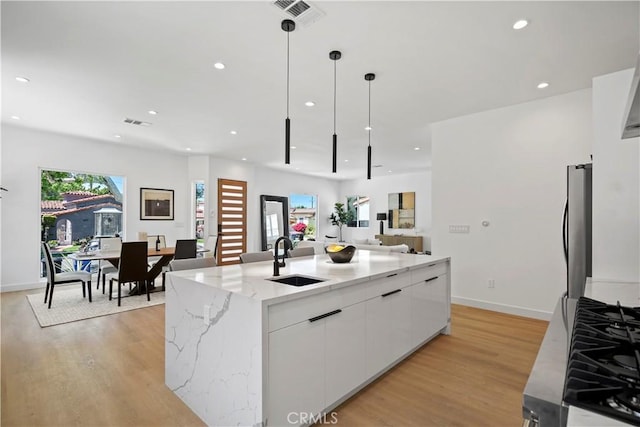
[(188, 149), (152, 112), (542, 85), (22, 79), (297, 169), (309, 103), (518, 25), (416, 148), (15, 117), (117, 136), (346, 160), (389, 171), (219, 65), (293, 147), (367, 128), (244, 158), (233, 132)]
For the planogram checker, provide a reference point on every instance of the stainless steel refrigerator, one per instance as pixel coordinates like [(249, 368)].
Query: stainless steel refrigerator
[(576, 228)]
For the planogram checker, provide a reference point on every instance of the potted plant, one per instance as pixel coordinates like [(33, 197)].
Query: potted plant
[(340, 217)]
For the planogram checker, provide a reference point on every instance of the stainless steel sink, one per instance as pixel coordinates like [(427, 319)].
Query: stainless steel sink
[(297, 280)]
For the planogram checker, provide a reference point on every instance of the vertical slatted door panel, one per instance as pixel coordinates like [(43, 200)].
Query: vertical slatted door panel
[(232, 220)]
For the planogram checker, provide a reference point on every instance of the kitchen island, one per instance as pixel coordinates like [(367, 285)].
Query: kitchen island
[(241, 349)]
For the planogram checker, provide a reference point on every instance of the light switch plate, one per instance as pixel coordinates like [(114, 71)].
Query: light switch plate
[(459, 229)]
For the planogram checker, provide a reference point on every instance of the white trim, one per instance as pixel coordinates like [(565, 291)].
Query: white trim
[(23, 286), (503, 308)]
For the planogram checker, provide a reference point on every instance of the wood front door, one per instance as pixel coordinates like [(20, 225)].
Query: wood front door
[(232, 221)]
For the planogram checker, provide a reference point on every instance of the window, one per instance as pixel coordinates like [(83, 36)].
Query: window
[(199, 210), (76, 207), (302, 217)]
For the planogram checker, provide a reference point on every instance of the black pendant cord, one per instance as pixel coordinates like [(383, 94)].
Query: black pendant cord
[(369, 147), (334, 169), (287, 26), (369, 113), (369, 77), (287, 122), (287, 75), (334, 55)]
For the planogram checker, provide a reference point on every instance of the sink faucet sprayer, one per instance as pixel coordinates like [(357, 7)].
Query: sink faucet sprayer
[(276, 263)]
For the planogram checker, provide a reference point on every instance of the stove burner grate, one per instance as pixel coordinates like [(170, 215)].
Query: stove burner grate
[(626, 361), (629, 405)]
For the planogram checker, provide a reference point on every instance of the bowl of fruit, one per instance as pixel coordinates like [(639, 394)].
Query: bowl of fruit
[(340, 253)]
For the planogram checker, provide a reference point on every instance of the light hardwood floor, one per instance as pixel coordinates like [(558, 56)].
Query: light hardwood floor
[(109, 371)]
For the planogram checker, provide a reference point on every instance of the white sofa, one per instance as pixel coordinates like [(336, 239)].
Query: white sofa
[(319, 246)]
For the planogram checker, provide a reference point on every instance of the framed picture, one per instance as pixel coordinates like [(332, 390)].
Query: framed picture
[(156, 204), (402, 210)]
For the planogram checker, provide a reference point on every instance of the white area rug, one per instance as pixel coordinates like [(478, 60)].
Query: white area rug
[(69, 306)]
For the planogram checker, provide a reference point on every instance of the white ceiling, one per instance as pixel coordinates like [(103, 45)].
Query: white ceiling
[(91, 64)]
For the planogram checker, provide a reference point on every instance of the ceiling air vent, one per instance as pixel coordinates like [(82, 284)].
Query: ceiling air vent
[(302, 12), (136, 122)]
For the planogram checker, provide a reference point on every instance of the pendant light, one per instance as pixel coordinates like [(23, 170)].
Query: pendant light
[(369, 77), (287, 26), (334, 55)]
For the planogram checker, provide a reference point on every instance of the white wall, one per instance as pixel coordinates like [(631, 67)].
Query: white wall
[(25, 152), (261, 180), (616, 183), (198, 168), (378, 189), (508, 166)]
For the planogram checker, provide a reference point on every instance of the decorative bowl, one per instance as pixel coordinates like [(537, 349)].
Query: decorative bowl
[(340, 254)]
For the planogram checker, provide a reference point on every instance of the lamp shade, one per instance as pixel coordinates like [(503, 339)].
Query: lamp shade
[(381, 216)]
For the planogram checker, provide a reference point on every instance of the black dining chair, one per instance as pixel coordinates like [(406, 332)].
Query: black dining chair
[(132, 268), (185, 249), (54, 278)]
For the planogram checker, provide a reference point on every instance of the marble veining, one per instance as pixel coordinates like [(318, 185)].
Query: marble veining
[(216, 326), (214, 367)]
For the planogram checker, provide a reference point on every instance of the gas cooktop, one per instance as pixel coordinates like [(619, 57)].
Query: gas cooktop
[(603, 370)]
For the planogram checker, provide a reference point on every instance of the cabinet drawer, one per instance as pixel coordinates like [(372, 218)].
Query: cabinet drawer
[(429, 272), (295, 311), (389, 283)]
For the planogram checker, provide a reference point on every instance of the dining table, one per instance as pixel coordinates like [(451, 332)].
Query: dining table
[(166, 255)]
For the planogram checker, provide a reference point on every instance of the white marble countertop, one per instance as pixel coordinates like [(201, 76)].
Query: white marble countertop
[(251, 280)]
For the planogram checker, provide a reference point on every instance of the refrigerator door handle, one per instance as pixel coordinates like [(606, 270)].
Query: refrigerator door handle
[(564, 232)]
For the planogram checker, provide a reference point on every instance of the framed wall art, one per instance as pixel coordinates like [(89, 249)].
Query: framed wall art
[(402, 210), (156, 204)]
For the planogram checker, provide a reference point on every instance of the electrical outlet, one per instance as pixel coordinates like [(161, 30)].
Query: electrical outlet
[(492, 283)]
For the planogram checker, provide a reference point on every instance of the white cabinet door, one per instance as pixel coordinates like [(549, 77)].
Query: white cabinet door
[(429, 308), (345, 352), (400, 323), (296, 371), (440, 304), (388, 329)]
